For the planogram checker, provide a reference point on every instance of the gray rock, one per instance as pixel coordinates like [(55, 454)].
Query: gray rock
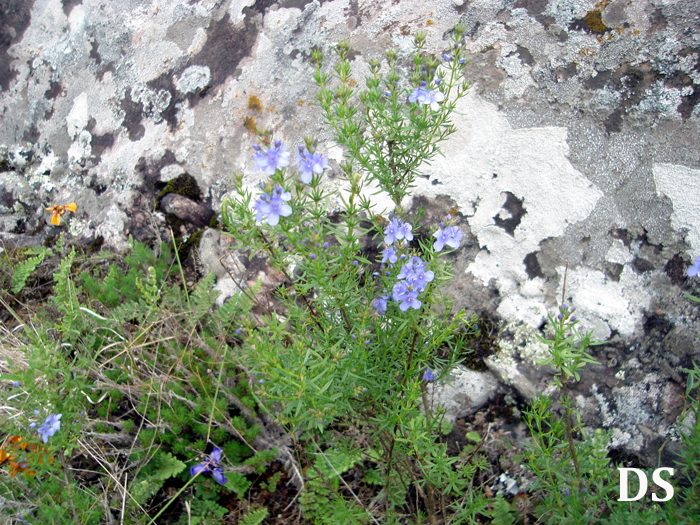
[(463, 392), (186, 209)]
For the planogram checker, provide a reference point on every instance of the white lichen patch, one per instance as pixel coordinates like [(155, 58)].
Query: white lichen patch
[(565, 12), (661, 100), (192, 79), (524, 342), (487, 158), (636, 411), (605, 305), (618, 253), (77, 119), (680, 184)]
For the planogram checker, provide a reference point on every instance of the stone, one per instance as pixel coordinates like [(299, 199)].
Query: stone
[(462, 392), (186, 209)]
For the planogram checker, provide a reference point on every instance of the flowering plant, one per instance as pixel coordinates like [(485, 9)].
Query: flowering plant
[(350, 336), (211, 465)]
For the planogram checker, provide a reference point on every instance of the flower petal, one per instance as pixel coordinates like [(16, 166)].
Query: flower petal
[(219, 477)]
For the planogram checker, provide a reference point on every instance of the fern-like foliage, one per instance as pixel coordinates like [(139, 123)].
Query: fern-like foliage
[(65, 295), (502, 512), (149, 290), (254, 517), (203, 297), (238, 483), (162, 466), (25, 269)]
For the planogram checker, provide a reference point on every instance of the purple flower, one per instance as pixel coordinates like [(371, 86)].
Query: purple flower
[(380, 304), (694, 270), (210, 466), (406, 296), (427, 96), (404, 231), (274, 158), (49, 427), (310, 163), (420, 279), (415, 265), (271, 208), (429, 375), (421, 95), (434, 98), (390, 232), (450, 236), (397, 230), (389, 254)]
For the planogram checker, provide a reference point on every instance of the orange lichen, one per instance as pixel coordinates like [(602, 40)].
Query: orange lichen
[(254, 103), (60, 210), (594, 21), (429, 23), (249, 124), (19, 454)]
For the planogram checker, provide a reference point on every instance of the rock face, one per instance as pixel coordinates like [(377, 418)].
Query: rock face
[(578, 144)]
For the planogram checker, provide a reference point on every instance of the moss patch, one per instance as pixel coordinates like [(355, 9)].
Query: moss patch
[(184, 185)]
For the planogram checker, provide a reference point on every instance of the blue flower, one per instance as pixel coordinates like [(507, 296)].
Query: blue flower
[(49, 427), (404, 231), (380, 304), (450, 236), (389, 254), (397, 230), (427, 96), (390, 232), (414, 270), (434, 98), (694, 270), (406, 296), (271, 208), (210, 466), (420, 95), (429, 375), (274, 158), (310, 163)]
